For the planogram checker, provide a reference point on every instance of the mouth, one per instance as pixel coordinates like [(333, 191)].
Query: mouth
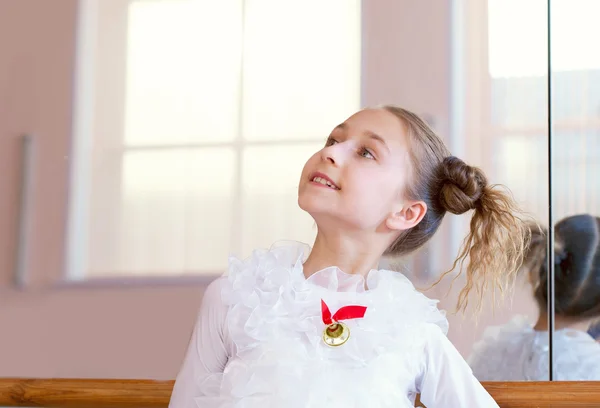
[(322, 180)]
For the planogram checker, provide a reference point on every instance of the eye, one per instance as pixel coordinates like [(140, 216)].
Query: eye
[(330, 141), (366, 154)]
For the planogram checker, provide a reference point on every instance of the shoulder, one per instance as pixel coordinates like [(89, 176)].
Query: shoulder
[(435, 339), (213, 294), (402, 298), (509, 335), (500, 350), (578, 356), (210, 326), (213, 308)]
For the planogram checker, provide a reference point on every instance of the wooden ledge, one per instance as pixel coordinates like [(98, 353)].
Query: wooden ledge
[(84, 393), (100, 393), (546, 394)]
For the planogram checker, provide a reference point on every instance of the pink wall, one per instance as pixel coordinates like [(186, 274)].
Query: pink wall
[(141, 331), (47, 331)]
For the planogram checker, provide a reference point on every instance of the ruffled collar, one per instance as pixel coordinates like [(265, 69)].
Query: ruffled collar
[(275, 276), (332, 278)]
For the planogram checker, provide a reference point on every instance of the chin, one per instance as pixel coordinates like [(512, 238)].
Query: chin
[(325, 215), (305, 203), (313, 205)]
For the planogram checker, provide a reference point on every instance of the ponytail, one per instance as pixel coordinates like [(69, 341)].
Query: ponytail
[(498, 237)]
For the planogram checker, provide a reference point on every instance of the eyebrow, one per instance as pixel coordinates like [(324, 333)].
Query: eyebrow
[(380, 139), (371, 135)]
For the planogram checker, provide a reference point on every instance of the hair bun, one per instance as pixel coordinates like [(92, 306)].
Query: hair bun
[(462, 186)]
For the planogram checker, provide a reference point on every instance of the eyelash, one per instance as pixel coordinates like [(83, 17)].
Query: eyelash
[(362, 150)]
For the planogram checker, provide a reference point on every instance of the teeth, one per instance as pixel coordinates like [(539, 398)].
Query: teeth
[(321, 180)]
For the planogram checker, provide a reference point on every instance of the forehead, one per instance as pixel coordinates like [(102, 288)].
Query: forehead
[(379, 122)]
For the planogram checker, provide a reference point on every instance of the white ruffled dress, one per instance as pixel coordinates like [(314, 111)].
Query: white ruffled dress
[(258, 342), (517, 352)]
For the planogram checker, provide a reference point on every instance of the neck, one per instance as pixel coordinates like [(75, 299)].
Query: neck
[(351, 255), (562, 322)]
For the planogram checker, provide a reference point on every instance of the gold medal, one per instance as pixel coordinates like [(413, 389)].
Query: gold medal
[(336, 334)]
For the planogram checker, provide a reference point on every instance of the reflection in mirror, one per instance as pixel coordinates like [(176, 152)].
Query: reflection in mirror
[(519, 350), (576, 186), (517, 146)]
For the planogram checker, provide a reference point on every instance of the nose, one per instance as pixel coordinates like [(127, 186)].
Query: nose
[(332, 154)]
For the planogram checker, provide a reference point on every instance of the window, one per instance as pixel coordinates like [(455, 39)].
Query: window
[(518, 71), (203, 113)]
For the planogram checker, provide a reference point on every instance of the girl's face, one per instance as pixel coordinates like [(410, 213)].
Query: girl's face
[(358, 178)]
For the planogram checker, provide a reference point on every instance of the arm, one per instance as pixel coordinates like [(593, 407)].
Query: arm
[(447, 380), (207, 353)]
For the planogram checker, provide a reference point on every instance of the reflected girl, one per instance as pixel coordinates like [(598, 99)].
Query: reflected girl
[(518, 351)]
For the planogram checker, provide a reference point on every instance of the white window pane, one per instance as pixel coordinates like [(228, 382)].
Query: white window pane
[(173, 217), (575, 33), (301, 67), (523, 166), (519, 102), (183, 71), (577, 96), (270, 196), (171, 75), (576, 165), (518, 36)]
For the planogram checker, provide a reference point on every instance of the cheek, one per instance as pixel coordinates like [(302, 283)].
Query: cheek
[(377, 181), (378, 190), (310, 164)]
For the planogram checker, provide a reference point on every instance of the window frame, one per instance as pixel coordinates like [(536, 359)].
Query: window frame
[(83, 135)]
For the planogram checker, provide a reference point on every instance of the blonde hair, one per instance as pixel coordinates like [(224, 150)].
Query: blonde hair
[(498, 237)]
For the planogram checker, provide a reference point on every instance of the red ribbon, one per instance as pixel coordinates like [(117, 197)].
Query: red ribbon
[(346, 312)]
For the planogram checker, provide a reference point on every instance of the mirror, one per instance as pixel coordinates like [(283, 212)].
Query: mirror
[(514, 348), (575, 188)]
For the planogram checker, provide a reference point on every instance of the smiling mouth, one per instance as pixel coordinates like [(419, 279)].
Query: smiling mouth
[(324, 182)]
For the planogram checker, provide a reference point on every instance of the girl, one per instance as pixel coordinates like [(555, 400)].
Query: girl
[(300, 327), (518, 351)]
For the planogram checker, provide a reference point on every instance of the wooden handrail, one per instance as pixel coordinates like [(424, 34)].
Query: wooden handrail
[(84, 393), (100, 393), (545, 394)]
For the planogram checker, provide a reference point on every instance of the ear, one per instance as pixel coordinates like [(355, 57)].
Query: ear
[(409, 215)]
